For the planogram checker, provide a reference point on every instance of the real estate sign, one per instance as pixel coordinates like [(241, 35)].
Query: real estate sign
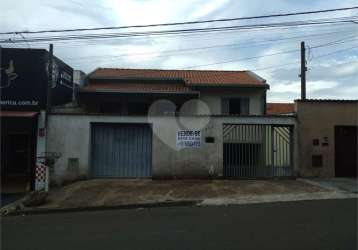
[(188, 139)]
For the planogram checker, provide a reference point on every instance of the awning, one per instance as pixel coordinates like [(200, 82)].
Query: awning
[(25, 114)]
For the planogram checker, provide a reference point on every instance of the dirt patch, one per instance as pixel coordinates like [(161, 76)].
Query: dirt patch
[(111, 192)]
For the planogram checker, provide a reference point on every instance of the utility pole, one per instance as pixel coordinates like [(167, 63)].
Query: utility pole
[(50, 66), (303, 71), (0, 64)]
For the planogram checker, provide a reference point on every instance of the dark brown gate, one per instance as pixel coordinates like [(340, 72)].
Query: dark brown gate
[(346, 151)]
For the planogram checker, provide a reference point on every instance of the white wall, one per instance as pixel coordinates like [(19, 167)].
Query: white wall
[(69, 135)]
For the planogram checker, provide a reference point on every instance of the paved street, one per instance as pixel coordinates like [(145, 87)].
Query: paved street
[(321, 224)]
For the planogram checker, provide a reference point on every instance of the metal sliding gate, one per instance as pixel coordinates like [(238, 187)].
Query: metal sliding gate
[(252, 151), (121, 150)]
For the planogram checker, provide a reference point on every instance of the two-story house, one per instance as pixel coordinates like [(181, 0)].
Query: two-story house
[(171, 123), (131, 92)]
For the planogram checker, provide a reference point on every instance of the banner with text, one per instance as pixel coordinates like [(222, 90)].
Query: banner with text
[(188, 139)]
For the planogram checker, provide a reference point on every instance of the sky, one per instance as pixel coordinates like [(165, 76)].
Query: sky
[(332, 70)]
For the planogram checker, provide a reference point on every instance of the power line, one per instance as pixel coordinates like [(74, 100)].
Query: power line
[(183, 23), (241, 59), (237, 45), (278, 53), (337, 64), (276, 67), (343, 20), (336, 42), (202, 36), (281, 66), (335, 52)]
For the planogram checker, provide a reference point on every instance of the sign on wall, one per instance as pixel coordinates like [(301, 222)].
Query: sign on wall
[(24, 79), (188, 139)]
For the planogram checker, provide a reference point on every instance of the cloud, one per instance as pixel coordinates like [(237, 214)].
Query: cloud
[(333, 76), (94, 11)]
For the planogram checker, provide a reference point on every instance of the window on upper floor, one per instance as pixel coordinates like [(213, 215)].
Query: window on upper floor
[(236, 106), (110, 107), (138, 108)]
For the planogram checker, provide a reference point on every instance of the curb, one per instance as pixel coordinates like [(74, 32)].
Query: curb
[(36, 211), (279, 198)]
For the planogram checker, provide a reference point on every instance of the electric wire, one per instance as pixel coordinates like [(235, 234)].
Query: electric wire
[(181, 31), (184, 23)]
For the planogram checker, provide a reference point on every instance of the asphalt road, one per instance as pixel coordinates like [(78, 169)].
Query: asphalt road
[(324, 224)]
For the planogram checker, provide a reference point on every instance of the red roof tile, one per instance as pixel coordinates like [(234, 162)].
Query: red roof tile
[(280, 108), (191, 77)]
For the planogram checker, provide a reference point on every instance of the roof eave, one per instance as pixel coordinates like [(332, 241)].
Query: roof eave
[(136, 78), (140, 92), (328, 100), (236, 85)]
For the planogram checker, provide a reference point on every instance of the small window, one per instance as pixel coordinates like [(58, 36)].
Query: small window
[(317, 161), (209, 139), (110, 107), (73, 165), (236, 106)]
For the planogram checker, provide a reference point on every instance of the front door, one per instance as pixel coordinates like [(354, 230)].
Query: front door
[(346, 151), (16, 161)]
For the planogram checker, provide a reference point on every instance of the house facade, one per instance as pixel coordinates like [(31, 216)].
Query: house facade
[(135, 123), (327, 137)]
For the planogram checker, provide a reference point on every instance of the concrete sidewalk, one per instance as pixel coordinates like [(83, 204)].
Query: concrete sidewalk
[(118, 193), (114, 192), (348, 185)]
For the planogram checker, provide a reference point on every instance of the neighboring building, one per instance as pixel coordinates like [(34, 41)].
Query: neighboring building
[(280, 108), (327, 133), (24, 98), (79, 77), (137, 123)]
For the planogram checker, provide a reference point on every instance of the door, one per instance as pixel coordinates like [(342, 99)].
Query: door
[(121, 150), (16, 157), (346, 151), (15, 162)]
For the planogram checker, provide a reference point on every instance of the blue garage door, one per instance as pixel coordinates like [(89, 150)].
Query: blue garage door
[(121, 150)]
